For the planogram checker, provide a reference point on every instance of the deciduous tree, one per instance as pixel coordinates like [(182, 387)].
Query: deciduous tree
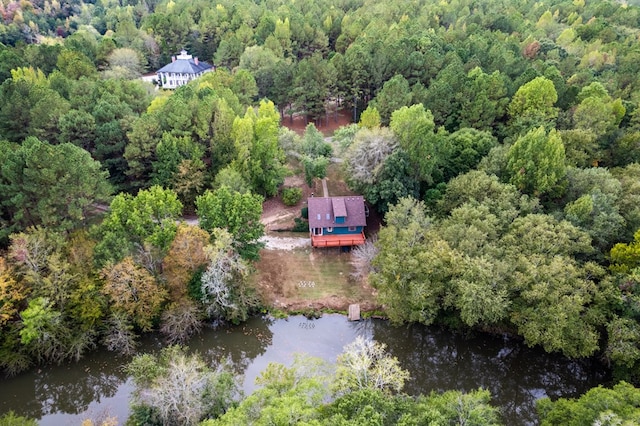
[(224, 289), (370, 118), (466, 147), (367, 153), (180, 388), (414, 129), (258, 155), (533, 106), (598, 406), (597, 112), (149, 217), (12, 293), (185, 256), (536, 163), (133, 291), (364, 364), (238, 213)]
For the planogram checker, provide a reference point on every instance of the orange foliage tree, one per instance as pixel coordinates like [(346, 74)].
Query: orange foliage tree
[(133, 291), (185, 256), (11, 294)]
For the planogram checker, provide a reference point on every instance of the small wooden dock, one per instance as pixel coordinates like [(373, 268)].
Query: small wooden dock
[(354, 312)]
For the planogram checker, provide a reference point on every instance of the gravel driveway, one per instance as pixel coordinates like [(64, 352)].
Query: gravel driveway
[(284, 243)]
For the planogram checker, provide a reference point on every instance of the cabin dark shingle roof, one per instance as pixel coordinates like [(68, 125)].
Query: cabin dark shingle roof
[(324, 210), (339, 207)]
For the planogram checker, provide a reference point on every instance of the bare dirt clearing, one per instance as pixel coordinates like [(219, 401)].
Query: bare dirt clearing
[(327, 124), (278, 217)]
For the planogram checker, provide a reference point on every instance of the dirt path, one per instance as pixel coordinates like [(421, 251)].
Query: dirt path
[(325, 191)]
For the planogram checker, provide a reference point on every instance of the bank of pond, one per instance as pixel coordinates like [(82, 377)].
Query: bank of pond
[(437, 360)]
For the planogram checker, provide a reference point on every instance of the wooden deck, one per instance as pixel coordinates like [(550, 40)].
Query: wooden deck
[(338, 240)]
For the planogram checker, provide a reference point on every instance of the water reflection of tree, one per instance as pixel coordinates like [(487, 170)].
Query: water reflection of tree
[(240, 345), (71, 389), (364, 328), (516, 375)]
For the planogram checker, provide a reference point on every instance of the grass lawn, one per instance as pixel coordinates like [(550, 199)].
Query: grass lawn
[(308, 275)]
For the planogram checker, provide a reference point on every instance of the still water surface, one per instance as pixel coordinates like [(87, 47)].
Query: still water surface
[(516, 375)]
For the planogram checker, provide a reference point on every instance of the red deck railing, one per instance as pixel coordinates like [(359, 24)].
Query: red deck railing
[(337, 240)]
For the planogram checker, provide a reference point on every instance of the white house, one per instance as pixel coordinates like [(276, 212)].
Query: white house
[(182, 69)]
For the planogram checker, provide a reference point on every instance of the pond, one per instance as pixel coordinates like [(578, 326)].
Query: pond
[(437, 359)]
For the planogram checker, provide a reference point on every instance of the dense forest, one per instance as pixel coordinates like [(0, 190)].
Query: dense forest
[(500, 139)]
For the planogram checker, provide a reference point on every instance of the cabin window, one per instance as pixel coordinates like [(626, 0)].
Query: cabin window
[(352, 228), (317, 231), (329, 229)]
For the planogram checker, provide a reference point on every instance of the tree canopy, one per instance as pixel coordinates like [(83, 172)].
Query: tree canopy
[(500, 139)]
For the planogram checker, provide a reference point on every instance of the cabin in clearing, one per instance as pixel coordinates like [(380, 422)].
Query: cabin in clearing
[(337, 221)]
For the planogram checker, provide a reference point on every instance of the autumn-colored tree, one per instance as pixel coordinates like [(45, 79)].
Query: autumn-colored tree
[(185, 256), (188, 181), (132, 290), (12, 293)]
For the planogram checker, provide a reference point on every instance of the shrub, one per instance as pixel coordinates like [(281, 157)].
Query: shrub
[(291, 196), (300, 225), (12, 419)]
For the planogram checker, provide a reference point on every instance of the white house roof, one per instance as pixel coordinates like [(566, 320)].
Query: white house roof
[(185, 64)]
